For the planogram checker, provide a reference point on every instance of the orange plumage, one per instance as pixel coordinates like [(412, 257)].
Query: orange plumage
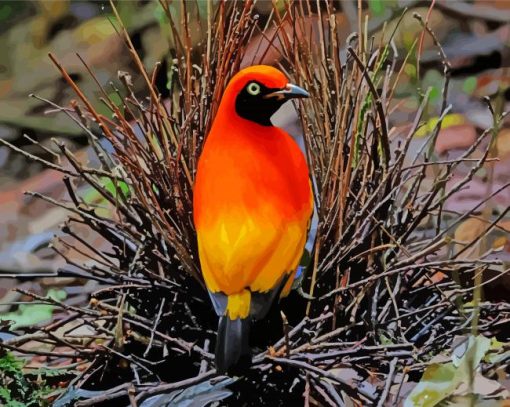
[(252, 204)]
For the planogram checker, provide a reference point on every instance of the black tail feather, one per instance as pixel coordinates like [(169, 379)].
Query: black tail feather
[(232, 345)]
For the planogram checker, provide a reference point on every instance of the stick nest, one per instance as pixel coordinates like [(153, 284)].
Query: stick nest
[(380, 292)]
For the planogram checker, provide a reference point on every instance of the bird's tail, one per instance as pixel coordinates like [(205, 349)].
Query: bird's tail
[(232, 344)]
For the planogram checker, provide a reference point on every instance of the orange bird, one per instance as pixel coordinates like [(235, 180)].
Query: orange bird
[(252, 203)]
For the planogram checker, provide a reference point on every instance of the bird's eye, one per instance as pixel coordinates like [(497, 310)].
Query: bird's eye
[(253, 88)]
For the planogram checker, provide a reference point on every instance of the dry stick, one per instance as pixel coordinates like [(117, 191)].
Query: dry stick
[(418, 311), (131, 391), (332, 391), (49, 300), (468, 214), (108, 101), (286, 333), (129, 358), (39, 160), (483, 234), (85, 254), (70, 190), (93, 271), (389, 381), (204, 362), (401, 70), (181, 343), (63, 342), (35, 142), (57, 324), (67, 355), (187, 49), (66, 228), (322, 391), (362, 213), (446, 162), (306, 394), (113, 288), (165, 388), (322, 373), (357, 348), (94, 141), (422, 38), (406, 268), (327, 336), (156, 323), (339, 255), (136, 321), (422, 254), (393, 293), (433, 341), (83, 98), (486, 282), (20, 340), (404, 378), (176, 37), (154, 97), (298, 329), (132, 216), (427, 326), (444, 108), (379, 107), (106, 395), (87, 215), (314, 273)]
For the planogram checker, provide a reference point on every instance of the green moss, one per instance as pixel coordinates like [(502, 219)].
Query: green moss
[(18, 389)]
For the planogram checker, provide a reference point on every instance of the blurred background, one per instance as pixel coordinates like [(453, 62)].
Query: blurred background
[(475, 36)]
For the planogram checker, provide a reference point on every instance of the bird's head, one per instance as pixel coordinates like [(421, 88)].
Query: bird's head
[(257, 92)]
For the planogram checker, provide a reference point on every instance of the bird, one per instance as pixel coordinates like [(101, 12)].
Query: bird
[(252, 204)]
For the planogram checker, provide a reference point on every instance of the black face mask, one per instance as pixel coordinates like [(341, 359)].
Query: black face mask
[(251, 103)]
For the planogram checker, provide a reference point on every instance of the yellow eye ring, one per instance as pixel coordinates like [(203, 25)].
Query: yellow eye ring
[(253, 88)]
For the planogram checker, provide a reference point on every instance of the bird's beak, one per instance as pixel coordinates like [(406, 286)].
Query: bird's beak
[(289, 92)]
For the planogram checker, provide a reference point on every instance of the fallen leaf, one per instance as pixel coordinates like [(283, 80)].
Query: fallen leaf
[(440, 381), (455, 137), (468, 231), (450, 120), (503, 143)]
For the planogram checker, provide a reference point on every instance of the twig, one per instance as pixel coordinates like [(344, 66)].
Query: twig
[(389, 382)]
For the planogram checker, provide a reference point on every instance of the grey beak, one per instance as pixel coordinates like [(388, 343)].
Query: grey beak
[(291, 91)]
